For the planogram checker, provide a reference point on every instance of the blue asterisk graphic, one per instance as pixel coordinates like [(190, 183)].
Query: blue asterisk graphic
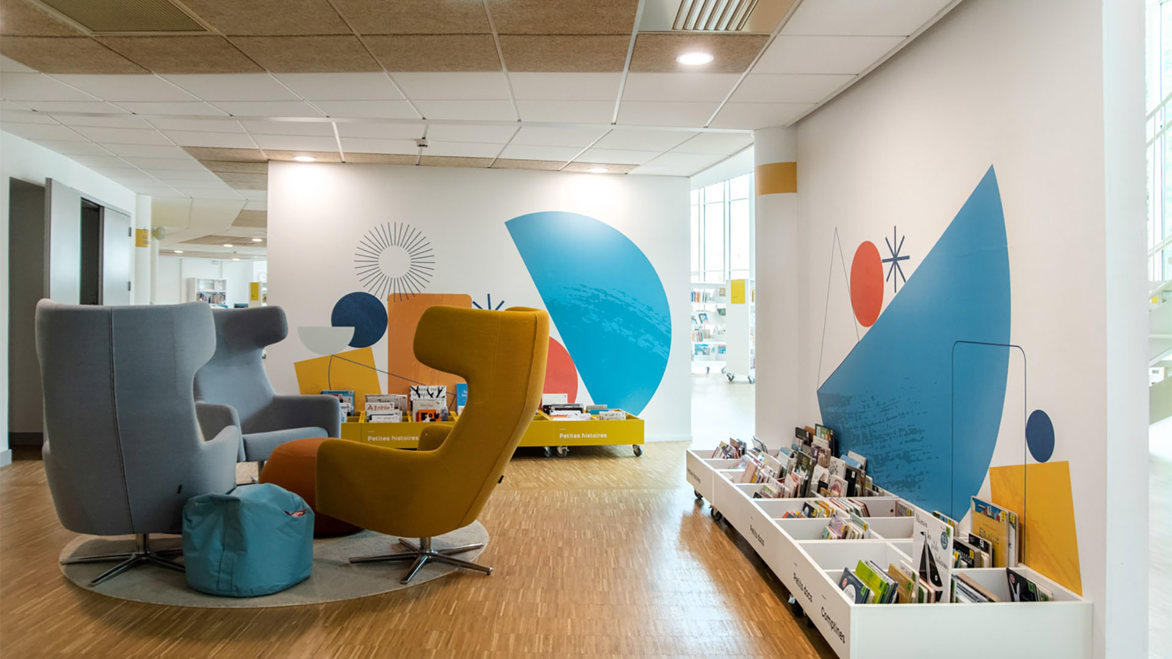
[(894, 259), (489, 304)]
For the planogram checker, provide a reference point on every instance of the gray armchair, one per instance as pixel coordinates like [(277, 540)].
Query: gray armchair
[(232, 388), (123, 450)]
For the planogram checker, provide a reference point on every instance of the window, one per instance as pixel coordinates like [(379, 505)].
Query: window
[(1159, 146), (722, 230)]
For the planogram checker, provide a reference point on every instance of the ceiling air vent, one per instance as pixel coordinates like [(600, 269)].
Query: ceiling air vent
[(125, 16), (728, 16), (713, 15)]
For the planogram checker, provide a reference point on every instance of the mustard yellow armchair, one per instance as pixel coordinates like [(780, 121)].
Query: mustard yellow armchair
[(444, 484)]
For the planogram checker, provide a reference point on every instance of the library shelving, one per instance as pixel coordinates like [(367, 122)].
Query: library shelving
[(554, 435), (206, 289), (809, 567)]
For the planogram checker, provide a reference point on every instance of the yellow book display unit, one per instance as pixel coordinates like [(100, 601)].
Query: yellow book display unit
[(552, 434)]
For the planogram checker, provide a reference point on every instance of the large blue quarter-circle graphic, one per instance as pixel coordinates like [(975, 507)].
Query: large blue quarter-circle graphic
[(365, 313), (605, 299)]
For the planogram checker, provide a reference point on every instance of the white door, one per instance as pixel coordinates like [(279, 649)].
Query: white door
[(117, 253)]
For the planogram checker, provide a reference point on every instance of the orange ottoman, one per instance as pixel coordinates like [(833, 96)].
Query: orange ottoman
[(293, 466)]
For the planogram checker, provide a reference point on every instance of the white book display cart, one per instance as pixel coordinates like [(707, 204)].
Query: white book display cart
[(810, 568)]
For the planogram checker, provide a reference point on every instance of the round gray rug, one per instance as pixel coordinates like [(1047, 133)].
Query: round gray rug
[(333, 577)]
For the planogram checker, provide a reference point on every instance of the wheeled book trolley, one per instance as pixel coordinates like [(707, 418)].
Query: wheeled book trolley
[(810, 566)]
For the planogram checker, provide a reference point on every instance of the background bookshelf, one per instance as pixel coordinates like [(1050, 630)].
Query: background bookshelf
[(212, 291)]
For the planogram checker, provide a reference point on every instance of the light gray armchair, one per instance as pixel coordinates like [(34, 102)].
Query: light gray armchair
[(123, 450), (232, 388)]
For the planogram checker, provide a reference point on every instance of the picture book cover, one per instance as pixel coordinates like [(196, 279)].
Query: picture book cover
[(932, 549), (855, 589)]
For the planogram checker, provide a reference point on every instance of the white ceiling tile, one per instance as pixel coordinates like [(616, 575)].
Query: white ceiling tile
[(385, 130), (70, 148), (660, 170), (461, 149), (862, 17), (751, 116), (257, 199), (376, 145), (149, 151), (12, 66), (80, 107), (268, 108), (471, 133), (341, 86), (453, 86), (15, 106), (105, 121), (98, 162), (566, 86), (814, 54), (648, 113), (127, 87), (532, 152), (38, 87), (221, 125), (617, 156), (689, 161), (185, 176), (368, 109), (585, 112), (553, 136), (9, 114), (787, 88), (150, 109), (679, 86), (37, 132), (122, 135), (219, 140), (233, 87), (715, 143), (316, 128), (296, 142), (643, 139), (468, 110)]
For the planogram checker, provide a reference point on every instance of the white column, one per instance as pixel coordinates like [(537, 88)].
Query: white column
[(776, 258)]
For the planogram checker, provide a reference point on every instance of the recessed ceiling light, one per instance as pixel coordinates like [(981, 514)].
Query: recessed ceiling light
[(258, 240), (227, 244), (304, 158), (178, 251), (235, 259), (598, 170), (694, 58)]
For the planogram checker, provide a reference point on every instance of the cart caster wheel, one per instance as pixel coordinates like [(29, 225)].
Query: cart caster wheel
[(796, 608), (698, 495), (715, 514), (563, 451), (751, 379), (638, 450), (730, 376), (548, 451)]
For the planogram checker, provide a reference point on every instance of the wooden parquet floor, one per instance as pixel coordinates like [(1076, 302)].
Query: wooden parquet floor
[(598, 554)]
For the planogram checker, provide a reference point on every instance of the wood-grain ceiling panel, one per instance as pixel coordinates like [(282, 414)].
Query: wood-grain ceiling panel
[(235, 167), (454, 161), (414, 16), (202, 153), (313, 54), (564, 53), (435, 53), (21, 18), (656, 52), (563, 16), (319, 156), (186, 54), (66, 55), (516, 163), (252, 219), (382, 158), (269, 17), (245, 181)]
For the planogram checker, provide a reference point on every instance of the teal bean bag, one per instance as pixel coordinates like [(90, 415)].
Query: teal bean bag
[(255, 540)]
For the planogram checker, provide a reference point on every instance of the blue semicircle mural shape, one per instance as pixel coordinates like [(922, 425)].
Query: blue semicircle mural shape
[(605, 299), (893, 398)]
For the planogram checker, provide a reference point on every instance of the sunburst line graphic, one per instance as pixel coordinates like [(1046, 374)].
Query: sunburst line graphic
[(372, 247)]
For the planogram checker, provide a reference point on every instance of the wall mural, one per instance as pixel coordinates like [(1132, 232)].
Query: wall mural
[(394, 260), (606, 300), (922, 392)]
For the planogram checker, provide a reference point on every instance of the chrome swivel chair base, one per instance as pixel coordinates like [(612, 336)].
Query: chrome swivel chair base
[(422, 553), (142, 554)]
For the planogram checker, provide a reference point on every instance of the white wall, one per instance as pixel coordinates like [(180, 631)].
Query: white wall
[(319, 212), (1018, 86), (24, 160)]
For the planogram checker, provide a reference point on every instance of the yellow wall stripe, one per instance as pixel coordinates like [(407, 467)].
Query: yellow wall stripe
[(777, 177)]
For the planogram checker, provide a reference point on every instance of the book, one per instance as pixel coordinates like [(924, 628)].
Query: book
[(417, 391), (905, 583), (999, 526), (856, 591), (430, 409), (1023, 589), (971, 584), (462, 397), (344, 396), (394, 416), (932, 550)]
